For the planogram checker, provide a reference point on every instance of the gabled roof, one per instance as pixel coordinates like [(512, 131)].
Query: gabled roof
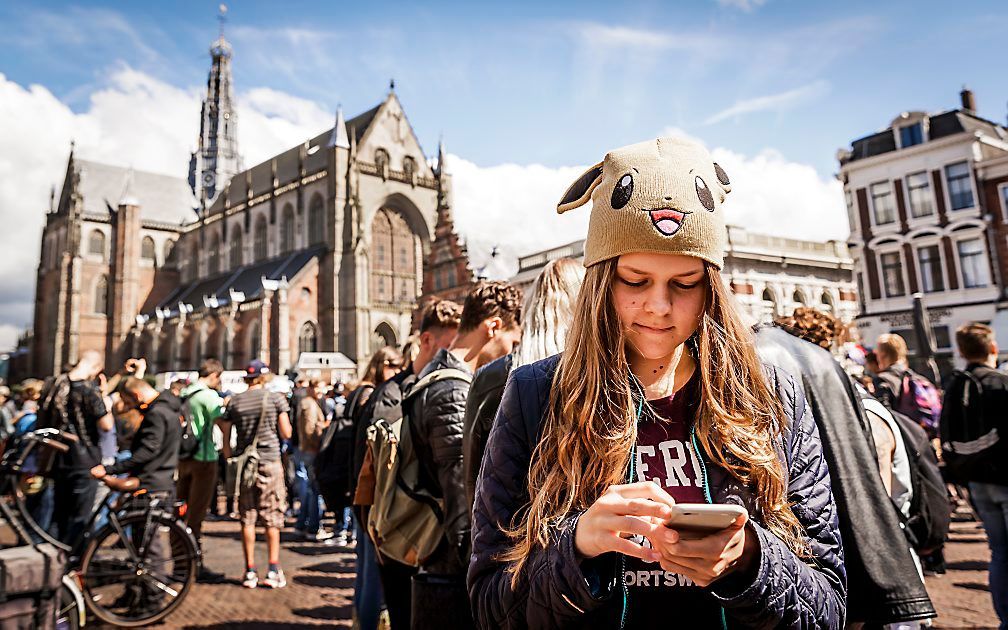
[(246, 279), (161, 198), (939, 126)]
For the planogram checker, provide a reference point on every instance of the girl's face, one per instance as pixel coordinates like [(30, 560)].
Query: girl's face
[(659, 299)]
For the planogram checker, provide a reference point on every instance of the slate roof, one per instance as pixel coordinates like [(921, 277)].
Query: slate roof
[(246, 279), (287, 162), (939, 126), (162, 198)]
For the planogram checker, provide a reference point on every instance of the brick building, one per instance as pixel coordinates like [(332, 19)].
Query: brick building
[(323, 247), (926, 205)]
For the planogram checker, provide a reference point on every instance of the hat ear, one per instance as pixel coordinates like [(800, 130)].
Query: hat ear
[(580, 191)]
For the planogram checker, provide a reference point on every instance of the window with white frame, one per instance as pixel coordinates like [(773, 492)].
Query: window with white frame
[(892, 274), (919, 191), (973, 263), (960, 189), (882, 203), (911, 135), (1003, 195), (929, 259)]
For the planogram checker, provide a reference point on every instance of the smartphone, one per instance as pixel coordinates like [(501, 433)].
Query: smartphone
[(696, 520)]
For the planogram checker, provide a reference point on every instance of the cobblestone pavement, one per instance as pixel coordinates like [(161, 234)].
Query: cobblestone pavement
[(961, 595), (320, 585)]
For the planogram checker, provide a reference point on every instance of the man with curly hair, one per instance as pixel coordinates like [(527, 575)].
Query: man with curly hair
[(489, 328)]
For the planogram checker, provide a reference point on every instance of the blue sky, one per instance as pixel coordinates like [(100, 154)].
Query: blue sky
[(552, 82), (525, 93)]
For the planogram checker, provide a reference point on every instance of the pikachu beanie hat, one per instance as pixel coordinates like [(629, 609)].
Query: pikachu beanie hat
[(661, 196)]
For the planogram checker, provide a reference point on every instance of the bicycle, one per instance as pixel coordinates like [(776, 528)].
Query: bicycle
[(134, 569)]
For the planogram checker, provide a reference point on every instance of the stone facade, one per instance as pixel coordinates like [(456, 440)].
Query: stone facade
[(770, 276), (321, 248)]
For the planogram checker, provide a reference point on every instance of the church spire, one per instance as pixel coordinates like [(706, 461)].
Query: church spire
[(216, 158), (339, 138)]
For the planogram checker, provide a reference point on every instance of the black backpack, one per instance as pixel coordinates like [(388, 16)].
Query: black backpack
[(930, 512), (971, 446), (188, 443), (333, 462)]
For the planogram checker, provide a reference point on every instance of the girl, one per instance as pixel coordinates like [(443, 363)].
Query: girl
[(658, 398)]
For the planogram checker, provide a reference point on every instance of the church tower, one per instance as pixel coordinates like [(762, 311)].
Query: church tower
[(216, 159)]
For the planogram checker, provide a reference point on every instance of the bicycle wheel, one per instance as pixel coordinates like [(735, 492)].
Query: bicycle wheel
[(138, 568), (23, 492)]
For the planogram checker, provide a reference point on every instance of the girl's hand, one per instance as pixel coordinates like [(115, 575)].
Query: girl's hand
[(706, 559), (622, 512)]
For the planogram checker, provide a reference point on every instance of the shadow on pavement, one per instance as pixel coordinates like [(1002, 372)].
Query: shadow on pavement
[(325, 581), (256, 625), (330, 567), (967, 565), (328, 613), (973, 586)]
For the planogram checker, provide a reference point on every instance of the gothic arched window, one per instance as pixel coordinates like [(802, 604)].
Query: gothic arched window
[(101, 296), (259, 239), (381, 159), (287, 230), (316, 220), (798, 297), (213, 255), (96, 243), (308, 338), (253, 341), (147, 250), (393, 259), (235, 249), (409, 166)]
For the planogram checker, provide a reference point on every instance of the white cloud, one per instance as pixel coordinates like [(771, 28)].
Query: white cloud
[(140, 121), (744, 5), (782, 100), (134, 120), (514, 206)]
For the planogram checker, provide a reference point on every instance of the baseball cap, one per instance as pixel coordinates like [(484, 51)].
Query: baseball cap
[(256, 368)]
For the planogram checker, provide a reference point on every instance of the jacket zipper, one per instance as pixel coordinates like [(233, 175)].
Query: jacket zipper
[(707, 496)]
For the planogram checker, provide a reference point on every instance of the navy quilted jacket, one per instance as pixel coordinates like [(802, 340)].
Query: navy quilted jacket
[(554, 592)]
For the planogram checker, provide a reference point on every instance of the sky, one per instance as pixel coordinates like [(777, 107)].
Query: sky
[(525, 95)]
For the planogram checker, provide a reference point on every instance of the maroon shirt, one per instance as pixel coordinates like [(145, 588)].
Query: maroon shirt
[(665, 455)]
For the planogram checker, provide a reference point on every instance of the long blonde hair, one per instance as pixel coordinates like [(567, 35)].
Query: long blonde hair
[(548, 310), (590, 425)]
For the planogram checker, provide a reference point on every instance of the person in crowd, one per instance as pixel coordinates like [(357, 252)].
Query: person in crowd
[(893, 385), (295, 475), (974, 430), (260, 420), (546, 316), (489, 328), (197, 477), (311, 425), (865, 453), (154, 451), (438, 327), (368, 599), (73, 402), (39, 492), (8, 410), (659, 399)]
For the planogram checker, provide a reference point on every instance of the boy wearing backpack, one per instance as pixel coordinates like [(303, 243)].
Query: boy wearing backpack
[(489, 328), (197, 475), (901, 389), (973, 433)]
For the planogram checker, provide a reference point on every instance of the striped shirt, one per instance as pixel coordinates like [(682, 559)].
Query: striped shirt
[(244, 411)]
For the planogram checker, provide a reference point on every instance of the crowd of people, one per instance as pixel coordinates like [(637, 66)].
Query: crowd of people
[(521, 460)]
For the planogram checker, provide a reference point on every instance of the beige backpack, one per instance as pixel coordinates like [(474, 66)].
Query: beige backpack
[(405, 521)]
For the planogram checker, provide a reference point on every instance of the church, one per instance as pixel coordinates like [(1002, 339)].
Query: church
[(326, 247)]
